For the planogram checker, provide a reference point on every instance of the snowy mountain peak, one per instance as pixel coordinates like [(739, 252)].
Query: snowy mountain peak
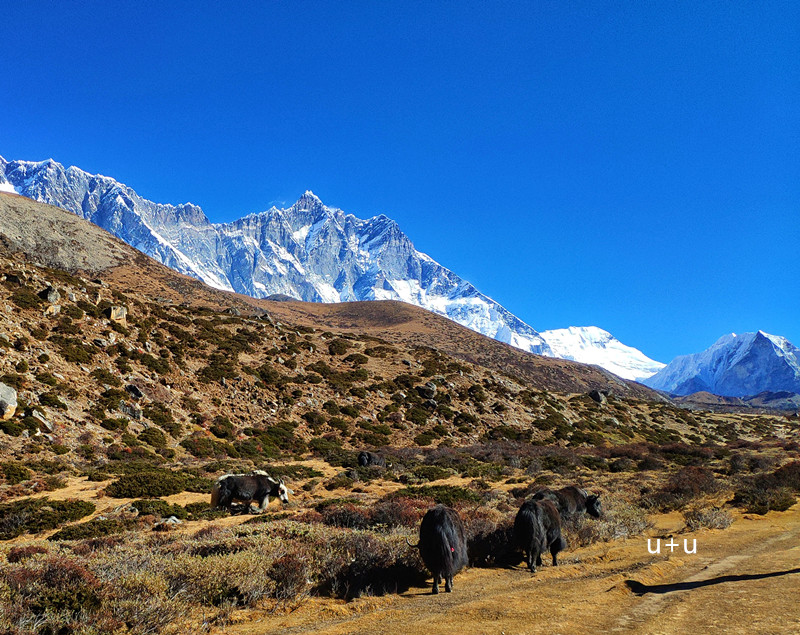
[(734, 366), (307, 251), (593, 345)]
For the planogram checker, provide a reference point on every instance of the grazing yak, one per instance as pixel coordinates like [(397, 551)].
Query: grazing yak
[(256, 487), (365, 459), (572, 500), (442, 545), (537, 528)]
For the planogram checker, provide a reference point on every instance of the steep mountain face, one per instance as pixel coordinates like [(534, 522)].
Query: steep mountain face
[(735, 366), (309, 251), (592, 345)]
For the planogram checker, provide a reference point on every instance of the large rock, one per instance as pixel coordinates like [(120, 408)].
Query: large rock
[(8, 402), (117, 313)]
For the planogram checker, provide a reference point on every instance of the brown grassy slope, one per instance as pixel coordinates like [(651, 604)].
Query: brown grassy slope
[(410, 325), (55, 238)]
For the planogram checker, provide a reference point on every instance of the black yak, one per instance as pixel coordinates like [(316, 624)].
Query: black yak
[(365, 459), (442, 545), (572, 500), (537, 528), (256, 487)]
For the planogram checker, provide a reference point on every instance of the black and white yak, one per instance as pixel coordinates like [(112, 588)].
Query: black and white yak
[(572, 500), (537, 528), (442, 545), (257, 486)]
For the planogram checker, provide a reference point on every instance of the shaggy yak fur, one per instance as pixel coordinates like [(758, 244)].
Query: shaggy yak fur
[(256, 487), (572, 500), (365, 459), (442, 545), (537, 528)]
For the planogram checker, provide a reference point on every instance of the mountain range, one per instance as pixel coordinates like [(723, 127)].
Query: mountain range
[(735, 366), (309, 252)]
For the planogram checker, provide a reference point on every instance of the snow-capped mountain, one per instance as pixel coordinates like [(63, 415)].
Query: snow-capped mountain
[(308, 251), (592, 345), (735, 366)]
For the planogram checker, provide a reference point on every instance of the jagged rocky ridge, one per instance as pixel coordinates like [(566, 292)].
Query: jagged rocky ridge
[(735, 366), (309, 251)]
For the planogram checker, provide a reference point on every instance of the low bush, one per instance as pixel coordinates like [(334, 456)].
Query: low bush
[(40, 514), (450, 495), (19, 554), (14, 472), (155, 483), (684, 486), (94, 528), (707, 518)]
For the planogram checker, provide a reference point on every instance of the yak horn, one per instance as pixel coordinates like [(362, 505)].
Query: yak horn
[(412, 546)]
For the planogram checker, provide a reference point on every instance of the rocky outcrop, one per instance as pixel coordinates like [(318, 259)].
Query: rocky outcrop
[(8, 402)]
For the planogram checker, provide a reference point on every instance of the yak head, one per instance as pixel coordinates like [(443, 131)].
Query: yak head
[(283, 492), (593, 506)]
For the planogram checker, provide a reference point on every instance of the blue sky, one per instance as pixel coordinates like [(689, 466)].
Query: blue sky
[(629, 165)]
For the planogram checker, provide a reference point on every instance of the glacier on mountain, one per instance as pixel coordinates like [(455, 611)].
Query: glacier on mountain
[(735, 366), (593, 345), (308, 251)]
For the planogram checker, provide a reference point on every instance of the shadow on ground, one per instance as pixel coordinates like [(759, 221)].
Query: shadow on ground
[(640, 589)]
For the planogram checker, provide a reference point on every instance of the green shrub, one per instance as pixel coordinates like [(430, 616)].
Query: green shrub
[(160, 415), (148, 484), (158, 507), (449, 495), (203, 447), (41, 514), (51, 400), (424, 438), (222, 428), (339, 346), (94, 528), (431, 472), (120, 423), (14, 472), (102, 376), (24, 298), (153, 437)]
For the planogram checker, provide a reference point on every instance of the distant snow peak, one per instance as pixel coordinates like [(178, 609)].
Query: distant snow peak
[(734, 366), (307, 251), (593, 345)]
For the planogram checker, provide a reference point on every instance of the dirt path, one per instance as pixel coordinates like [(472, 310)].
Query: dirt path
[(745, 579)]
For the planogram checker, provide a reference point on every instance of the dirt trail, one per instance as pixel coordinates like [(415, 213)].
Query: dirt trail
[(745, 579)]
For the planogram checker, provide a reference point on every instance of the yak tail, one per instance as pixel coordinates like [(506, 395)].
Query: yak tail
[(215, 495)]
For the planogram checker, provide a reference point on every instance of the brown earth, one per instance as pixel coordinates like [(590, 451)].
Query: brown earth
[(745, 579)]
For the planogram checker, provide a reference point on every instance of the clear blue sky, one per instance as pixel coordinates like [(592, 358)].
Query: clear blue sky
[(629, 165)]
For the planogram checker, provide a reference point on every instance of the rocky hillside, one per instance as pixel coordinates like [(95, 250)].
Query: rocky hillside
[(142, 362)]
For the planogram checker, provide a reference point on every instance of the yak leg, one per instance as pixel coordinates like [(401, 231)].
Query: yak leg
[(534, 558), (539, 560), (436, 580), (448, 584), (554, 552), (263, 505)]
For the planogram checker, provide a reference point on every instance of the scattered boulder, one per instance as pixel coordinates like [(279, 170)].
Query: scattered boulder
[(117, 313), (599, 396), (134, 391), (8, 402), (50, 295), (52, 310), (44, 422), (427, 390), (131, 411)]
